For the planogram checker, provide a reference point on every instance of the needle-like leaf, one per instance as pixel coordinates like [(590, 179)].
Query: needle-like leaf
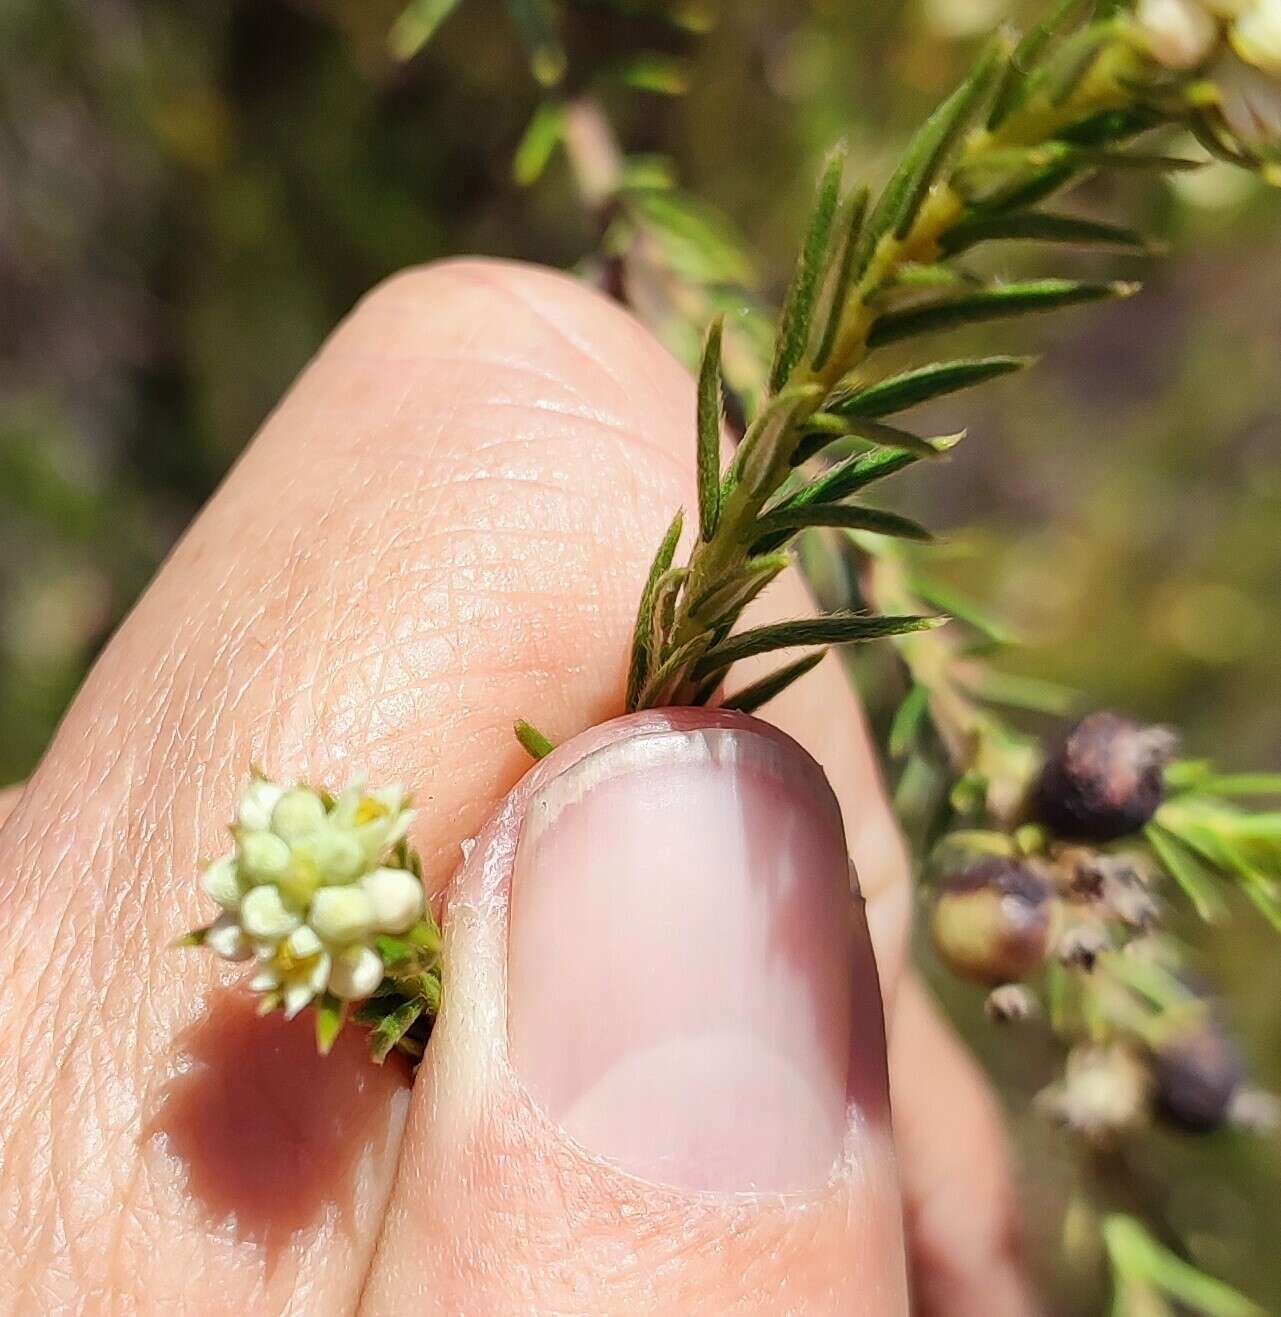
[(992, 304), (798, 307), (709, 431), (752, 697), (834, 629)]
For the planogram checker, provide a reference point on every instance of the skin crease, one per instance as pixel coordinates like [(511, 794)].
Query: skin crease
[(443, 527)]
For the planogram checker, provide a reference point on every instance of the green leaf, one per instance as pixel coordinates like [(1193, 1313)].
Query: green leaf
[(393, 1027), (1197, 882), (1018, 691), (898, 205), (992, 304), (537, 27), (660, 687), (890, 436), (848, 477), (1240, 784), (834, 629), (416, 25), (798, 305), (725, 600), (1137, 1258), (1069, 65), (650, 70), (1038, 226), (1025, 58), (1263, 893), (907, 721), (641, 659), (752, 697), (767, 446), (709, 431), (899, 392), (537, 745), (539, 141), (846, 515), (964, 609), (1136, 160), (666, 593), (834, 290), (331, 1015), (697, 241)]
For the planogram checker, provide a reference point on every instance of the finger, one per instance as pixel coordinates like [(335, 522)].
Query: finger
[(440, 528), (9, 797), (962, 1215), (659, 1080)]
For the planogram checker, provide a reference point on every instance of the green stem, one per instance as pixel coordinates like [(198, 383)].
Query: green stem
[(1038, 120)]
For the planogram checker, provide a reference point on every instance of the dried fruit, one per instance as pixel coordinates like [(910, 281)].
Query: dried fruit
[(1197, 1076), (992, 922), (1105, 780)]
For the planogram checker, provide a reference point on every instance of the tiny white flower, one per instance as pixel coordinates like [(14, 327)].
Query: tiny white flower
[(227, 939), (381, 821), (263, 856), (297, 812), (222, 882), (341, 914), (298, 970), (1256, 35), (256, 803), (263, 914), (356, 973), (1179, 33), (397, 898)]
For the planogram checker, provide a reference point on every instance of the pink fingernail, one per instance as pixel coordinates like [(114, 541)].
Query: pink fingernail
[(683, 961)]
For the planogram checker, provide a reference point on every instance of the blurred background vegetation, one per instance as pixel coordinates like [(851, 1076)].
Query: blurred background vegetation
[(191, 196)]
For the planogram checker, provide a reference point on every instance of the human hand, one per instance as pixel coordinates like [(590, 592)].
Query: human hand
[(444, 527)]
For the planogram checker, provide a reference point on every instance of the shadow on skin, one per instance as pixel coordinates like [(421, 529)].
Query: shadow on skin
[(269, 1133)]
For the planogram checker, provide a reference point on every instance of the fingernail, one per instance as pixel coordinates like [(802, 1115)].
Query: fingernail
[(682, 961)]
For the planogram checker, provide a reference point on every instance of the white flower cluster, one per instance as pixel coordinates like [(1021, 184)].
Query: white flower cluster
[(307, 890), (1183, 34)]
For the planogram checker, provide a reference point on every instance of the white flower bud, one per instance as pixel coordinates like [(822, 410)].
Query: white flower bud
[(256, 803), (1179, 33), (263, 914), (227, 939), (264, 857), (1256, 35), (341, 914), (221, 881), (397, 898), (298, 812), (339, 856), (356, 973)]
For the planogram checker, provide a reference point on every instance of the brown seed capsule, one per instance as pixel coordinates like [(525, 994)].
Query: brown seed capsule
[(992, 922), (1105, 780), (1197, 1076)]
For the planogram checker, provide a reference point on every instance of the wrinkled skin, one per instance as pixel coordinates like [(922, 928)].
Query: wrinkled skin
[(441, 528)]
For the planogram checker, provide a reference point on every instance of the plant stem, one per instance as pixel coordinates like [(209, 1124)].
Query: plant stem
[(1038, 120)]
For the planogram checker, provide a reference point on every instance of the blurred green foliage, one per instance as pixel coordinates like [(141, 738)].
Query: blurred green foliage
[(193, 195)]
